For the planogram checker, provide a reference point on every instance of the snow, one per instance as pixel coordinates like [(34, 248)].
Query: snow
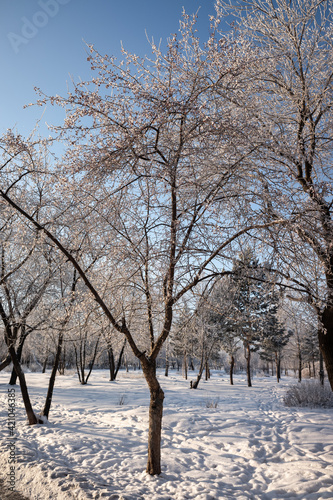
[(250, 446)]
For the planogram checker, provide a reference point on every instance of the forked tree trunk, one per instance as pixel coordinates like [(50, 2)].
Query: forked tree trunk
[(326, 341), (48, 401), (155, 417), (194, 385), (115, 369), (19, 351)]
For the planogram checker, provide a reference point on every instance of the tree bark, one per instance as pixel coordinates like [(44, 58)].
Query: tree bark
[(6, 362), (92, 362), (166, 373), (32, 419), (185, 365), (62, 362), (325, 336), (321, 369), (248, 363), (278, 366), (19, 351), (120, 358), (48, 401), (194, 385), (45, 364), (207, 372), (232, 364), (111, 364), (155, 417)]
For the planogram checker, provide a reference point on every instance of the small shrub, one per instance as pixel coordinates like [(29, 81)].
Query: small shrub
[(210, 403), (309, 393), (35, 367), (122, 400)]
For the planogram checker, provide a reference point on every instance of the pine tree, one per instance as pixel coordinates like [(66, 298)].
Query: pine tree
[(274, 335)]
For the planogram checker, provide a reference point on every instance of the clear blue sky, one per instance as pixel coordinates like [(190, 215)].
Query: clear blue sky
[(42, 44)]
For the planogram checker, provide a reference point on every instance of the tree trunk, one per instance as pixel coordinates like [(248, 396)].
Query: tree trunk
[(45, 364), (47, 406), (23, 336), (111, 364), (77, 364), (321, 369), (278, 366), (32, 419), (113, 368), (326, 341), (166, 373), (155, 417), (248, 363), (62, 362), (207, 370), (6, 362), (92, 362), (120, 359), (185, 366), (299, 367), (194, 385), (232, 365)]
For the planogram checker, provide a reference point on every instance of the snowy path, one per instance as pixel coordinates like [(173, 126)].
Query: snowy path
[(249, 447)]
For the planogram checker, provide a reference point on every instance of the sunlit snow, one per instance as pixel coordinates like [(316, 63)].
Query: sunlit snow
[(219, 441)]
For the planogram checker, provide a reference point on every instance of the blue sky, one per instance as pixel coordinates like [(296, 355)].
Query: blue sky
[(42, 44)]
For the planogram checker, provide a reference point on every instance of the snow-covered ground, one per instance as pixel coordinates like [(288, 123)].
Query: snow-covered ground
[(250, 446)]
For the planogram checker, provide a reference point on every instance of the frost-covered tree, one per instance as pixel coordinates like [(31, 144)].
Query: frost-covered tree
[(182, 338), (220, 318), (274, 336), (292, 83), (251, 303), (152, 176)]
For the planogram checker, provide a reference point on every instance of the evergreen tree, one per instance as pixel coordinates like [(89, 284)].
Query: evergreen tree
[(250, 301), (274, 335)]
